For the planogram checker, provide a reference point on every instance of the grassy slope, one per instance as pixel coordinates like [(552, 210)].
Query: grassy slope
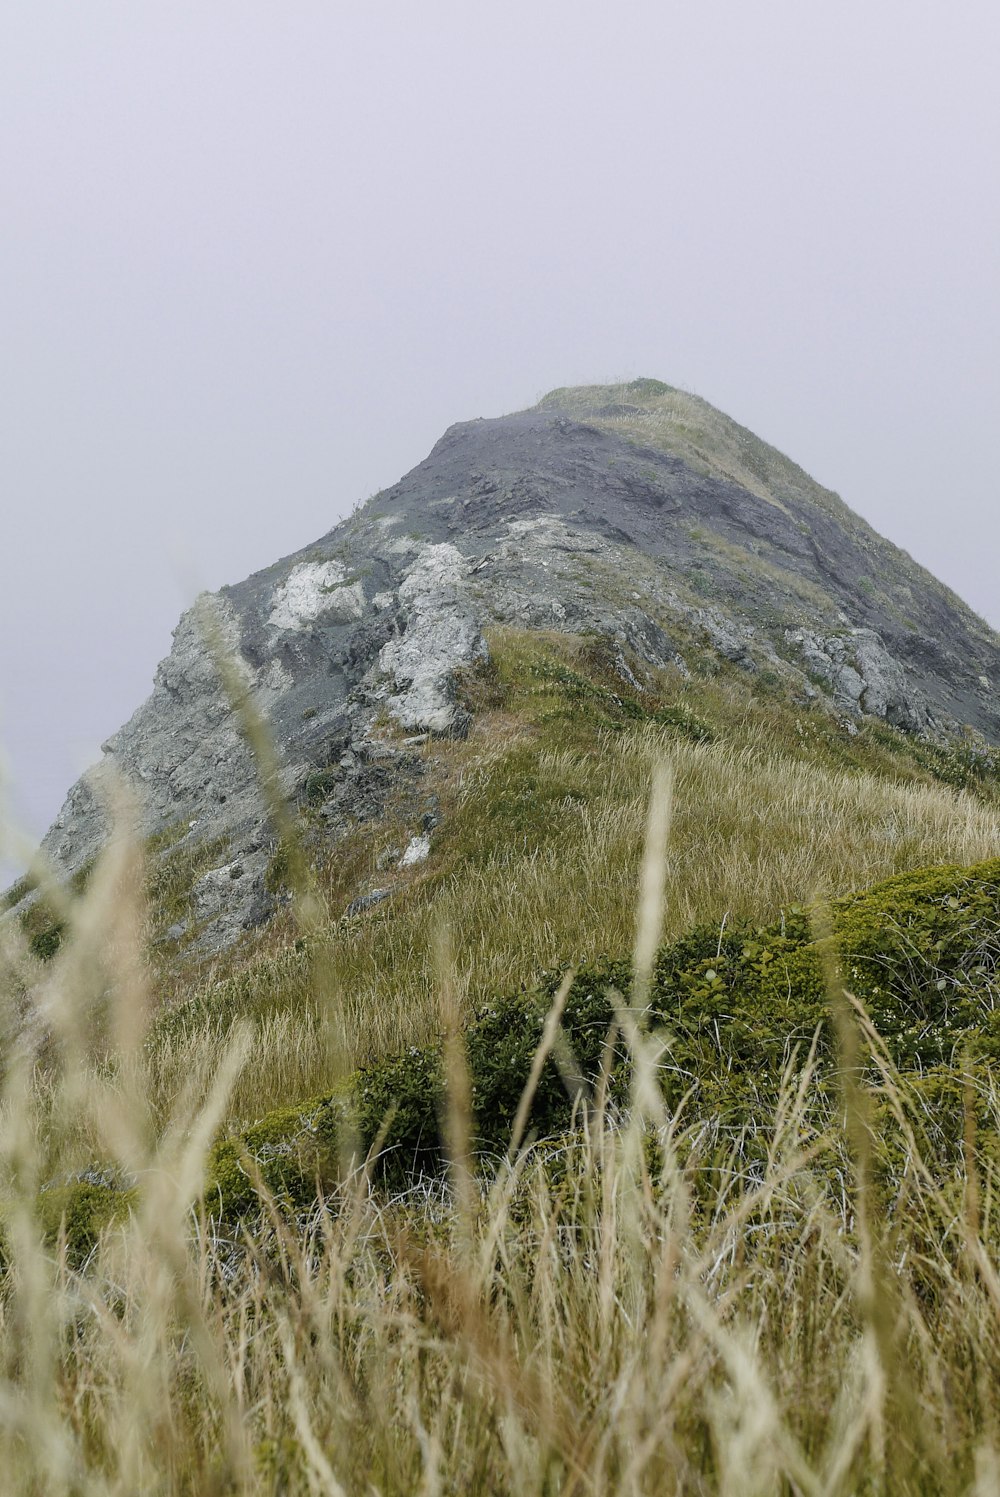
[(729, 1011), (534, 864)]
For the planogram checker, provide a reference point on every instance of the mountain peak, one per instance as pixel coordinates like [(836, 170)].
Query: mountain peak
[(638, 513)]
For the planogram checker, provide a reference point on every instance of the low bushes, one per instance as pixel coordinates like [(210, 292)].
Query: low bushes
[(920, 951), (731, 1007)]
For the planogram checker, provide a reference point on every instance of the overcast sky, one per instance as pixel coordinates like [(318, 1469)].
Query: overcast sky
[(256, 257)]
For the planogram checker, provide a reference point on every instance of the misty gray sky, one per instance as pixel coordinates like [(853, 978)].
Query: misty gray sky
[(256, 257)]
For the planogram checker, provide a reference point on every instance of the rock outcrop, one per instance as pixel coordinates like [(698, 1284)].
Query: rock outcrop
[(652, 520), (864, 677)]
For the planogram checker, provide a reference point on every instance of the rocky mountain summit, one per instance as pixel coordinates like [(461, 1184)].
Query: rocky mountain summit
[(638, 513)]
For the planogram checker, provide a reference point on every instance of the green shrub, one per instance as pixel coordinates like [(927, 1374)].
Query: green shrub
[(81, 1210), (46, 942), (648, 387), (921, 951), (42, 925), (290, 1152), (321, 784)]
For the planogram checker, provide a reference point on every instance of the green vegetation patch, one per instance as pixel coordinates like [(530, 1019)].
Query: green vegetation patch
[(582, 684), (289, 1153), (44, 922), (647, 387), (17, 891), (963, 764), (577, 683), (176, 862), (321, 784), (732, 1007), (618, 704), (77, 1213)]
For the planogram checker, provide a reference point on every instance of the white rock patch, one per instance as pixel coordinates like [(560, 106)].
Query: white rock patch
[(416, 851), (440, 635), (313, 590)]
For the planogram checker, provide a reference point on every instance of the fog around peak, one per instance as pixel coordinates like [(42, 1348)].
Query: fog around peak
[(257, 258)]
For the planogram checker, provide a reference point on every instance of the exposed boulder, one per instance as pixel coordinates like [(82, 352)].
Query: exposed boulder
[(863, 676), (439, 634)]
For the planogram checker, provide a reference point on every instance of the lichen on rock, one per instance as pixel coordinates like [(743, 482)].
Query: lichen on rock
[(312, 589)]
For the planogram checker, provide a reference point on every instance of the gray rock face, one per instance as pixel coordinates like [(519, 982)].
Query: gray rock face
[(864, 677), (542, 522), (182, 751)]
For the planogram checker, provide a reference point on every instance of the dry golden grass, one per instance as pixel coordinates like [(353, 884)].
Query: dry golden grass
[(652, 1304), (648, 1306), (753, 831)]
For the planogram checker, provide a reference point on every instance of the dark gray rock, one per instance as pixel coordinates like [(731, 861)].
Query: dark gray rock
[(367, 901)]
